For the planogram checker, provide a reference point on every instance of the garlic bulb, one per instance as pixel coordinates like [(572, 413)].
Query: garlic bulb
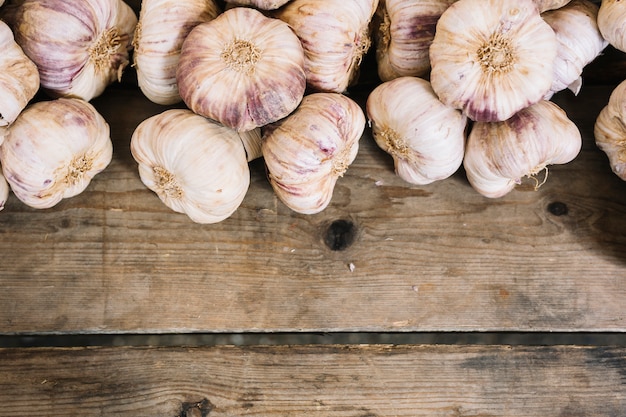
[(19, 78), (545, 5), (259, 4), (610, 130), (195, 166), (53, 150), (612, 23), (425, 137), (242, 69), (499, 154), (307, 152), (579, 43), (4, 191), (335, 36), (79, 46), (405, 31), (492, 58), (162, 27)]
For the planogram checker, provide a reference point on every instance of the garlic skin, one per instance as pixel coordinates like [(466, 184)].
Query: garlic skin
[(4, 191), (335, 36), (307, 152), (195, 166), (162, 27), (405, 30), (19, 78), (53, 150), (499, 154), (545, 5), (492, 58), (612, 23), (610, 130), (579, 40), (425, 137), (79, 46), (259, 4), (242, 69)]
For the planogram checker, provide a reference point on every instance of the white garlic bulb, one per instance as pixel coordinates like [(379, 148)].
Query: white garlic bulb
[(259, 4), (492, 58), (425, 137), (195, 166), (307, 152), (79, 46), (405, 30), (335, 36), (19, 78), (499, 155), (545, 5), (610, 130), (612, 23), (162, 27), (580, 42), (242, 69), (53, 150), (4, 191)]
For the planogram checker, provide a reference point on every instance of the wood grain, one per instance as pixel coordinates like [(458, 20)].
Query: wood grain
[(332, 380)]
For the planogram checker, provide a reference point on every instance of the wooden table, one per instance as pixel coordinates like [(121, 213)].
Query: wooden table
[(384, 257)]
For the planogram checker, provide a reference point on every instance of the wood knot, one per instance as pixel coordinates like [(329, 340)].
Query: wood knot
[(340, 234)]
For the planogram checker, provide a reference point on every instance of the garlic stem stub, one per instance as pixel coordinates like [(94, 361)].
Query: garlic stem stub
[(492, 58), (306, 152), (610, 130), (425, 137), (499, 155), (53, 150), (612, 23), (195, 166), (242, 69), (79, 46)]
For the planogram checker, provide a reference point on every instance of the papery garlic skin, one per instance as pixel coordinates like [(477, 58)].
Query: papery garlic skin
[(492, 58), (307, 152), (19, 78), (498, 155), (259, 4), (4, 191), (405, 30), (425, 137), (53, 150), (610, 130), (545, 5), (242, 69), (612, 23), (335, 36), (195, 166), (79, 46), (580, 42), (162, 27)]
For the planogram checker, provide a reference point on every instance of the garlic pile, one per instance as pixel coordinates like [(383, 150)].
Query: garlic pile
[(79, 46), (53, 150), (610, 130), (162, 27), (425, 137), (612, 23)]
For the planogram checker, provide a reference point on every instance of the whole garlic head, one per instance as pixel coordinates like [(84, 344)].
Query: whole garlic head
[(19, 78), (492, 58), (162, 27), (610, 130), (499, 155), (53, 150), (612, 23), (307, 152), (195, 166), (242, 69), (425, 137), (79, 46), (545, 5)]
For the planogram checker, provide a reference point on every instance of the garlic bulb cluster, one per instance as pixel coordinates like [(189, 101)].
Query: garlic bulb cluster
[(405, 30), (79, 46), (307, 152), (610, 130), (53, 150), (162, 27), (500, 154), (335, 36), (242, 69), (19, 78), (579, 40), (492, 58), (259, 4), (425, 137), (195, 166)]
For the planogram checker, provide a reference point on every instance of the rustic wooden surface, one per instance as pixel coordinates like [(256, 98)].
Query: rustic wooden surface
[(340, 381)]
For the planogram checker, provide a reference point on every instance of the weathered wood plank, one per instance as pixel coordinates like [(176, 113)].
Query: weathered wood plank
[(354, 381)]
